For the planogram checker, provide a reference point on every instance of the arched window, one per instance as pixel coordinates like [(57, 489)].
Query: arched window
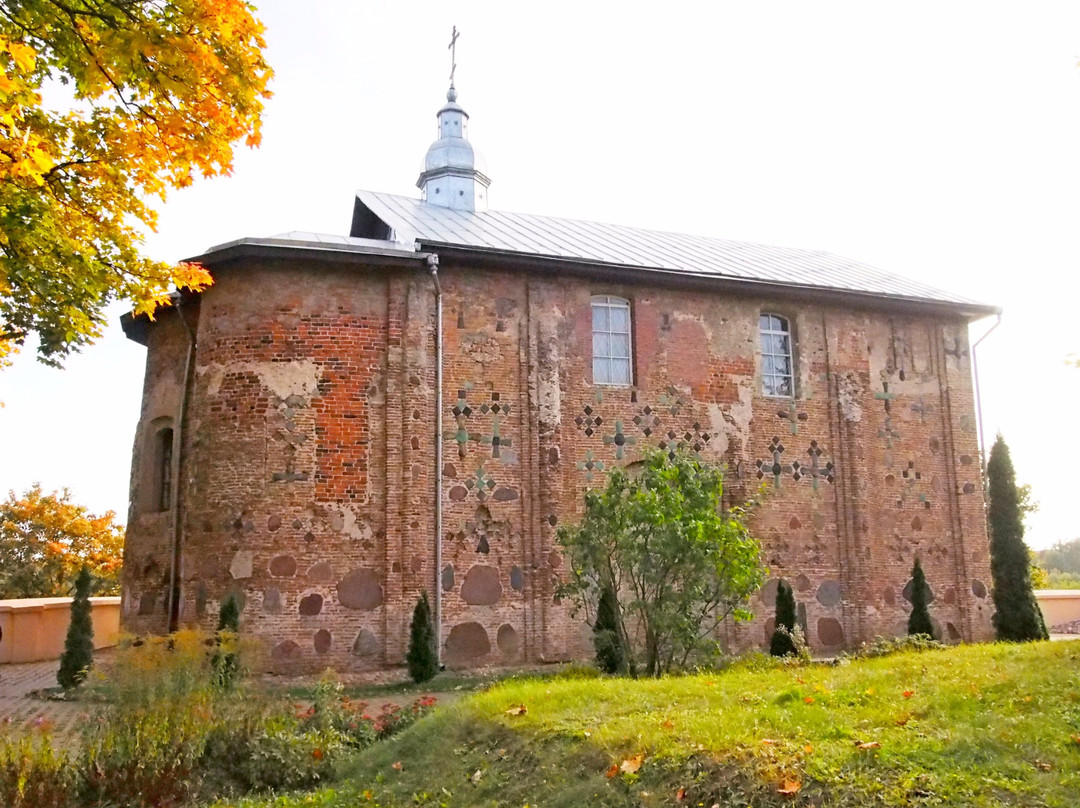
[(777, 377), (611, 340), (162, 470)]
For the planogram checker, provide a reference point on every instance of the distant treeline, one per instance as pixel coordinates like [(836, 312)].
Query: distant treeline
[(1062, 565)]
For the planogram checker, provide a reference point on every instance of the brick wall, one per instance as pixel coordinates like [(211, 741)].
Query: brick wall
[(308, 476)]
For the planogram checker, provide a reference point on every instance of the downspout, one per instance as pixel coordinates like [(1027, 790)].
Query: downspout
[(978, 397), (433, 265), (178, 441)]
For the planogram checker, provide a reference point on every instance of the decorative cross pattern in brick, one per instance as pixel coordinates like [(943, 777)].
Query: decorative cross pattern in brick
[(619, 440), (672, 443), (647, 420), (589, 421), (698, 439), (775, 468), (461, 412), (671, 401), (793, 416), (290, 475), (495, 440), (589, 465), (480, 483), (495, 406), (887, 432), (922, 409), (912, 475), (815, 471)]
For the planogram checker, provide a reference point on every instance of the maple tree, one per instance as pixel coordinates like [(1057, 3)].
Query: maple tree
[(106, 105), (46, 539)]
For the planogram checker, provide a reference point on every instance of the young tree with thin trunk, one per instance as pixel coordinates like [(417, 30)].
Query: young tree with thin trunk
[(677, 563), (1017, 616)]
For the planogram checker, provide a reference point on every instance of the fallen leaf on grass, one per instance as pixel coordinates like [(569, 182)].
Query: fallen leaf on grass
[(631, 765), (809, 699), (612, 771), (1076, 739), (789, 787), (476, 776), (808, 749), (397, 766), (667, 725), (908, 694), (867, 745), (680, 795), (519, 710), (1043, 766), (902, 720), (769, 742)]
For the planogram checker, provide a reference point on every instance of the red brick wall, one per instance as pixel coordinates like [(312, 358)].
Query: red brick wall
[(308, 484)]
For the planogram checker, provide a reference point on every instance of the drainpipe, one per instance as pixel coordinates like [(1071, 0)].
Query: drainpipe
[(433, 265), (978, 397), (178, 440)]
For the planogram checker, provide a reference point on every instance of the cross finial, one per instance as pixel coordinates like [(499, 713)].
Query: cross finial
[(452, 47)]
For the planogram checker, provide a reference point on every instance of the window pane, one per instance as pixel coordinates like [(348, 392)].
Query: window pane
[(601, 345), (763, 322), (782, 365), (620, 319), (768, 385), (768, 365), (783, 387), (620, 371), (620, 345), (601, 371), (782, 346), (599, 317)]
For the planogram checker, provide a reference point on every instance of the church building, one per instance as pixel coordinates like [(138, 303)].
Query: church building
[(342, 422)]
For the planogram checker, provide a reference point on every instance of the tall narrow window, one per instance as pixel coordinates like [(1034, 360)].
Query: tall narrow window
[(776, 367), (163, 470), (611, 340)]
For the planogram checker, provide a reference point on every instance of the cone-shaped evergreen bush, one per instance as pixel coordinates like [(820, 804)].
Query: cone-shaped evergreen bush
[(422, 657), (783, 642), (1017, 616), (607, 636), (919, 619), (226, 662), (78, 653)]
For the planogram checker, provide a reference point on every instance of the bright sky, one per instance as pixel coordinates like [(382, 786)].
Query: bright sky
[(940, 141)]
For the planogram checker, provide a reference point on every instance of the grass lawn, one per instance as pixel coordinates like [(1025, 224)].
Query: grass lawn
[(990, 725)]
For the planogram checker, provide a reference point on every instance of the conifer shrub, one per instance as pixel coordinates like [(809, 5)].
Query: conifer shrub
[(607, 634), (78, 653), (422, 657), (919, 619), (783, 642), (1017, 617), (226, 660)]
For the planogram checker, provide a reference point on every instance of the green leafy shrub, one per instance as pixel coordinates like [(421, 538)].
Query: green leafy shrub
[(422, 657), (919, 620), (886, 646), (782, 643), (78, 653)]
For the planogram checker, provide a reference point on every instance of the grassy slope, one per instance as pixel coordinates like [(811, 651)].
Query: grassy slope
[(979, 726)]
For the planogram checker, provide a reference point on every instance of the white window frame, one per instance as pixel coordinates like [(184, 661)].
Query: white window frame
[(776, 326), (604, 359)]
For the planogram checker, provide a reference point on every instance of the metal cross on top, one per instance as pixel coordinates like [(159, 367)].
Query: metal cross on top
[(452, 47)]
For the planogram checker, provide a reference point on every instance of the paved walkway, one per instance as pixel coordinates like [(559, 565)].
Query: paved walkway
[(21, 710)]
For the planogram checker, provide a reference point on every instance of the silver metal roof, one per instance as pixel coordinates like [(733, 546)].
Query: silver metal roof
[(425, 226)]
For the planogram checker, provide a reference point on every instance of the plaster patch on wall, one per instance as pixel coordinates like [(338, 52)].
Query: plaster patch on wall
[(283, 379), (481, 348), (848, 391), (731, 425), (241, 564)]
